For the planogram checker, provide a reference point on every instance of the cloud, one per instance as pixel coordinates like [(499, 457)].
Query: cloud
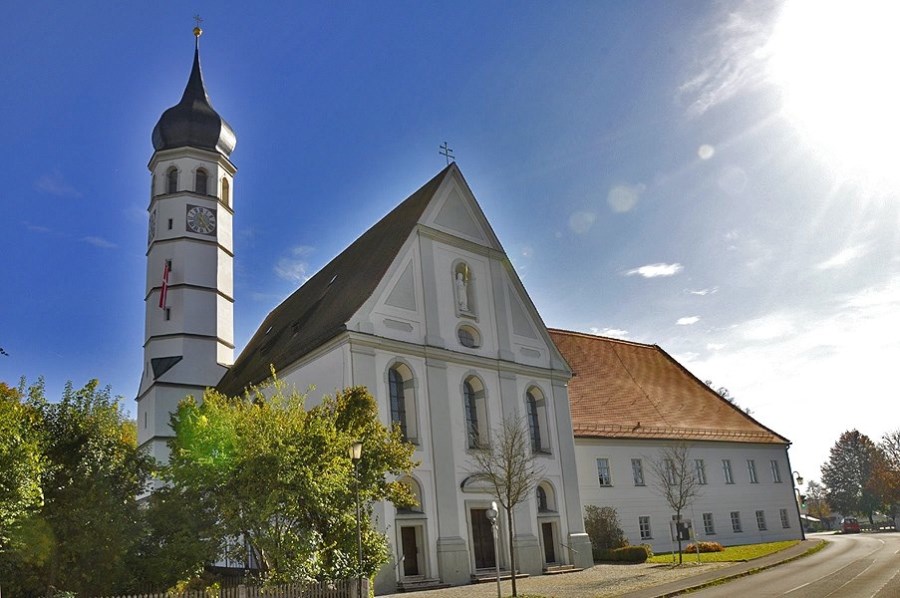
[(294, 268), (655, 270), (702, 292), (55, 184), (706, 151), (581, 222), (99, 242), (843, 257), (688, 320), (37, 229), (612, 332), (766, 328), (731, 58), (715, 346), (622, 198)]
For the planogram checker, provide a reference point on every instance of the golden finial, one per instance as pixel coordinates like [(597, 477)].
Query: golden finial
[(197, 31)]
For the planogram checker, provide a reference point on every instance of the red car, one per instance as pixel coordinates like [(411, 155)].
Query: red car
[(849, 525)]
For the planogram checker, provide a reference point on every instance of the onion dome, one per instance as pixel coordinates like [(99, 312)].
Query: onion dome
[(193, 122)]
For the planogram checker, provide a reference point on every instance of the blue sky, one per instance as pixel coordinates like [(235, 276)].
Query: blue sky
[(715, 178)]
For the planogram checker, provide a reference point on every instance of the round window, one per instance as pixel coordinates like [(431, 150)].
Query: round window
[(468, 337)]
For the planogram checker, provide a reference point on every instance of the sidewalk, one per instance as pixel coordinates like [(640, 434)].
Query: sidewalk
[(738, 569)]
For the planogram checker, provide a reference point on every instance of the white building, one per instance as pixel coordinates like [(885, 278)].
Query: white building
[(424, 309), (628, 400)]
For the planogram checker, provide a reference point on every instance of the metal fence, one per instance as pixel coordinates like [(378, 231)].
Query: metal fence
[(329, 589)]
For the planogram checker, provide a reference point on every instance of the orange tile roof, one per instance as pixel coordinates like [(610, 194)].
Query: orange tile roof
[(623, 389)]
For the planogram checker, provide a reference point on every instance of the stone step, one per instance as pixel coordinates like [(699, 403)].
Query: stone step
[(421, 584), (561, 569), (486, 576)]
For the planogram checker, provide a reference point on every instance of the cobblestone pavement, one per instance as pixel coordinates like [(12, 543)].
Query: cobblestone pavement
[(598, 581)]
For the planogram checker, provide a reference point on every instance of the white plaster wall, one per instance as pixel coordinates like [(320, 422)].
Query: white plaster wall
[(716, 496), (328, 373)]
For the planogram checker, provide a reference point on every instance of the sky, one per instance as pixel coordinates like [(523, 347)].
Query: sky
[(717, 178)]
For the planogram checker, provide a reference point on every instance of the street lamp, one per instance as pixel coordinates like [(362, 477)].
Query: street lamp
[(799, 479), (355, 452), (492, 517)]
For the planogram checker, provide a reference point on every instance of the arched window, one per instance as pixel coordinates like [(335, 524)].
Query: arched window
[(471, 415), (546, 499), (200, 182), (537, 420), (401, 390), (226, 192), (172, 180), (416, 490), (542, 499)]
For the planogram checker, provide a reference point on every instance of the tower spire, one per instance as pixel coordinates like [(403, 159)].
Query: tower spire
[(197, 31)]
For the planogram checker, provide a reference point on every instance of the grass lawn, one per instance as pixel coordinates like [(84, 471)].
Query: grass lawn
[(731, 553)]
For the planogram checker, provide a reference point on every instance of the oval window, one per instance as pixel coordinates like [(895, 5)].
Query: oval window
[(468, 337)]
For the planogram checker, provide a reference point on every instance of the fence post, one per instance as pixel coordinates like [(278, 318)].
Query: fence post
[(242, 591)]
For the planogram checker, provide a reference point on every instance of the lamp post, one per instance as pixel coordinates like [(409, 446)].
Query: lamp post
[(355, 452), (799, 479), (492, 517)]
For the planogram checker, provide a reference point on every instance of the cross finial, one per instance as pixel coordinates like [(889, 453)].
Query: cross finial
[(197, 31), (447, 152)]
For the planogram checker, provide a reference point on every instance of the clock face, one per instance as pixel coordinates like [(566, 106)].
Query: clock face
[(201, 220), (151, 230)]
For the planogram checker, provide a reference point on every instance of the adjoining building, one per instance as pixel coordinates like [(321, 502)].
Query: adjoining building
[(629, 400)]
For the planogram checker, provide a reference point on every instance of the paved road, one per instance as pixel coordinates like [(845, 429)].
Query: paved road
[(852, 566)]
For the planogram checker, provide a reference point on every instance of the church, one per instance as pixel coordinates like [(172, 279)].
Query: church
[(424, 309)]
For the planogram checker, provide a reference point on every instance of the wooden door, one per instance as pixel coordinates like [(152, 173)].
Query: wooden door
[(482, 540), (549, 550), (410, 551)]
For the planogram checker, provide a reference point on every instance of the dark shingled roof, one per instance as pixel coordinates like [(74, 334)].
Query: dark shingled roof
[(623, 389), (193, 122), (320, 309)]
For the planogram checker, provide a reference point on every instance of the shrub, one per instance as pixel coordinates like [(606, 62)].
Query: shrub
[(626, 554), (602, 527), (704, 547)]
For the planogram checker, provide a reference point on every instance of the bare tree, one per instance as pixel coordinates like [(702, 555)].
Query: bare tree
[(675, 481), (509, 468)]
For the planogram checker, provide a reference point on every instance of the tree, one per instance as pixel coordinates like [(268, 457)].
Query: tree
[(817, 505), (509, 469), (675, 481), (603, 528), (83, 535), (726, 394), (848, 475), (278, 476), (21, 463), (885, 482)]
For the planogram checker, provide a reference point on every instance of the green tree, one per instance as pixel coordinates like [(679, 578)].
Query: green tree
[(509, 469), (84, 533), (21, 463), (885, 482), (817, 503), (848, 475), (279, 477), (604, 529)]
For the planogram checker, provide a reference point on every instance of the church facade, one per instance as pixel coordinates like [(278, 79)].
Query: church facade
[(426, 311)]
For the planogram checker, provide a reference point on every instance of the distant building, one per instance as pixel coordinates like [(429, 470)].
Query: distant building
[(627, 401)]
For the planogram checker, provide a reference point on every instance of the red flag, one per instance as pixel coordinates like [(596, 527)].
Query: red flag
[(165, 286)]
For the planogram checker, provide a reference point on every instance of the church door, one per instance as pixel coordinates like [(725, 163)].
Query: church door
[(410, 551), (482, 540), (549, 552)]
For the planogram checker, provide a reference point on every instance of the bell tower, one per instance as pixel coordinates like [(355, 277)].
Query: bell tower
[(189, 298)]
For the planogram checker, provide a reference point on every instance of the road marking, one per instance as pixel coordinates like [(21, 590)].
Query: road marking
[(798, 587)]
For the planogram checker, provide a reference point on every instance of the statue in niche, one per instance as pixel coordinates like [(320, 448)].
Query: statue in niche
[(462, 297)]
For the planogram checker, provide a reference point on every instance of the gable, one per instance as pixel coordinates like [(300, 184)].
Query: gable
[(403, 293), (456, 212)]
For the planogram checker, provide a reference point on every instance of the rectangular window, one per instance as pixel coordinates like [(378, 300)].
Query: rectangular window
[(637, 470), (785, 522), (644, 523), (701, 471), (761, 520), (170, 224), (670, 472), (168, 314), (603, 472), (736, 522), (708, 528), (726, 467), (751, 471), (776, 472)]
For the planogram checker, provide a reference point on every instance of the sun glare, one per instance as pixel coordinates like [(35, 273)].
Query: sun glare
[(838, 64)]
